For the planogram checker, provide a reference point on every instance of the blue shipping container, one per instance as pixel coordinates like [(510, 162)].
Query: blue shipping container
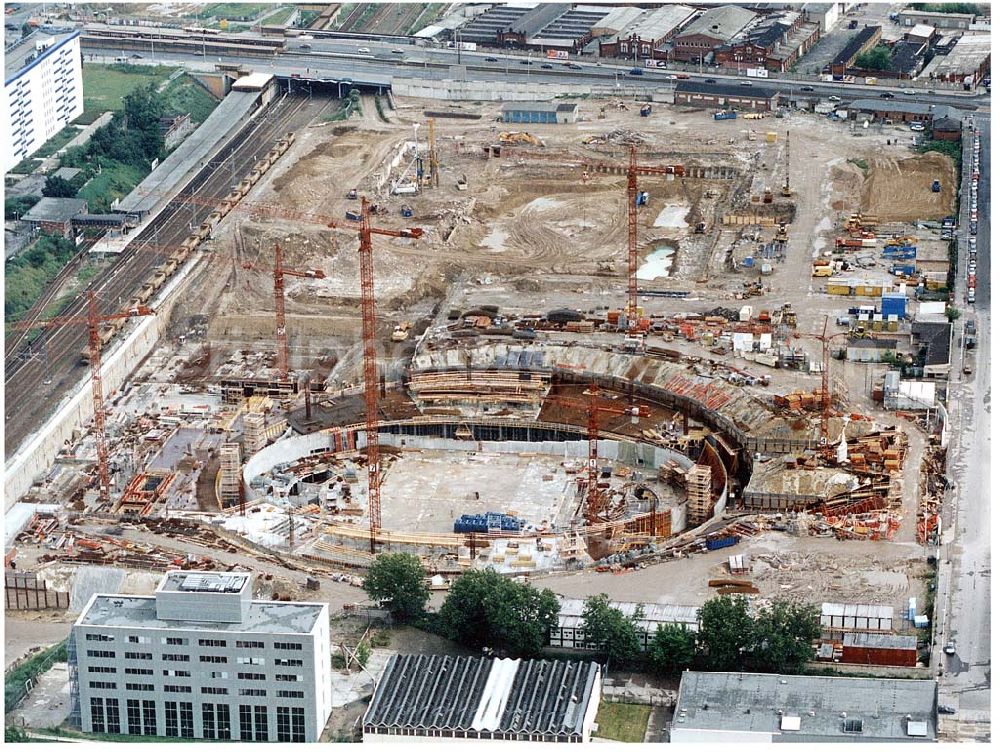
[(895, 305), (716, 543)]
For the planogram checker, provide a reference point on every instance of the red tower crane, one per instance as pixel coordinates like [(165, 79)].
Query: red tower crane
[(594, 408), (93, 320), (827, 400), (281, 335), (634, 170), (368, 322)]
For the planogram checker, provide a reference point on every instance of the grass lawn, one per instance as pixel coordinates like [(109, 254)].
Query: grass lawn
[(622, 722), (184, 94), (113, 182), (232, 11), (58, 141), (104, 86)]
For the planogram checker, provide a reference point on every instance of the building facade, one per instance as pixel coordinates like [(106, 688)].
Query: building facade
[(715, 27), (726, 96), (645, 36), (55, 216), (43, 92), (201, 660), (539, 112), (913, 17)]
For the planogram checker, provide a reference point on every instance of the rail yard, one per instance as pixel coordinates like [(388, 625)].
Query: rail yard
[(635, 347)]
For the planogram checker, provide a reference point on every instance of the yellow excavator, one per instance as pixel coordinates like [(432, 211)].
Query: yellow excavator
[(513, 138)]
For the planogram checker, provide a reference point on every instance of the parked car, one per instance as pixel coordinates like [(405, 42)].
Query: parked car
[(910, 92), (547, 66), (525, 62), (710, 81), (887, 95), (305, 46), (397, 51), (808, 88), (746, 83), (364, 51), (916, 127), (833, 98), (574, 66), (973, 227), (949, 649), (946, 709), (491, 60)]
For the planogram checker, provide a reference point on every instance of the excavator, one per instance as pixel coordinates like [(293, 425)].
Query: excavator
[(514, 138)]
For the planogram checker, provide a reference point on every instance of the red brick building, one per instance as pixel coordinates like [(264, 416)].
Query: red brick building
[(880, 649)]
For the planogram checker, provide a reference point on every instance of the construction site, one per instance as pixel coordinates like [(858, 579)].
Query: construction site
[(609, 344)]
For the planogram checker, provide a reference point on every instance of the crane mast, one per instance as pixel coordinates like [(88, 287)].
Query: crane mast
[(371, 373), (97, 388)]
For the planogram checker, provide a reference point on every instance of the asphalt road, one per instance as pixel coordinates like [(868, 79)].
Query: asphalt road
[(339, 60), (964, 601)]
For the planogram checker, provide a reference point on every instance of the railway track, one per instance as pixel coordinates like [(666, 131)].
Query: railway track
[(35, 386)]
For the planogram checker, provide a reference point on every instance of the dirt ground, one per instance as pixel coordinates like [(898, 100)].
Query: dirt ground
[(900, 190)]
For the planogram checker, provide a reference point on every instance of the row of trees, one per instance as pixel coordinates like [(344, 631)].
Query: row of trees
[(485, 609)]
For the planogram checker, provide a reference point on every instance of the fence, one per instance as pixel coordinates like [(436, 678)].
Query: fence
[(25, 592)]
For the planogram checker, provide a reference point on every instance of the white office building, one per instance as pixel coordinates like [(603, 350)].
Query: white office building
[(201, 660), (42, 93)]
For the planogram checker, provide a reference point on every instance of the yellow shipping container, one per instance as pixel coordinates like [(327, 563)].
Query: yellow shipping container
[(838, 289), (772, 137)]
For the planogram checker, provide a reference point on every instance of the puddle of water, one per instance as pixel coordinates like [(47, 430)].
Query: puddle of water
[(657, 264), (672, 216), (496, 240)]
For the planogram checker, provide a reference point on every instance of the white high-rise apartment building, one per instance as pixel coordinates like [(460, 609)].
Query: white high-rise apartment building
[(200, 659), (42, 93)]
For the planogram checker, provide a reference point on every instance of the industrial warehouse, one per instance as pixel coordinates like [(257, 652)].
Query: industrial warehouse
[(626, 328)]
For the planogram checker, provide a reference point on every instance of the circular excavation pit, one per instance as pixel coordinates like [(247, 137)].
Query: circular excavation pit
[(525, 488)]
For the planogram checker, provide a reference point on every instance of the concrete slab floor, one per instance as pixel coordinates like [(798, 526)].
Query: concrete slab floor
[(430, 490), (47, 704)]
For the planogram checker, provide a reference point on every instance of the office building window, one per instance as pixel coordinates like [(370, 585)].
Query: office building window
[(284, 725), (253, 693), (246, 724), (138, 687), (103, 685), (214, 691), (218, 674), (249, 644), (136, 639), (97, 714), (139, 671), (175, 641), (249, 676), (101, 669), (176, 672), (170, 711), (260, 722), (288, 646), (100, 653), (113, 717), (134, 719), (139, 656), (175, 657), (100, 637), (187, 720), (212, 643), (222, 725), (245, 661), (149, 718), (288, 677), (287, 662), (212, 658), (298, 724), (177, 688), (294, 693), (208, 721)]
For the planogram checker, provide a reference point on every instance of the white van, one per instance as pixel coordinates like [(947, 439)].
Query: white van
[(364, 51)]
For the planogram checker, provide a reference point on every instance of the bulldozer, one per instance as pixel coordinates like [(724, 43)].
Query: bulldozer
[(513, 138)]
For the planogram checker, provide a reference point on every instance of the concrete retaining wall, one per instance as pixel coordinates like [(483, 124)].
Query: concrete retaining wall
[(459, 89), (35, 456)]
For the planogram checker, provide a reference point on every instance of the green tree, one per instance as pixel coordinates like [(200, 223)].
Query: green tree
[(16, 207), (783, 636), (952, 313), (726, 632), (486, 609), (672, 648), (616, 635), (14, 735), (26, 29), (877, 58), (398, 581), (57, 187), (363, 653)]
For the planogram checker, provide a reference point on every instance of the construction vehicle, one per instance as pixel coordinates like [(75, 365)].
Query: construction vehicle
[(822, 270), (515, 138), (353, 193), (768, 196), (646, 111), (781, 235), (723, 115), (936, 186), (406, 210), (462, 184), (353, 216), (602, 114), (699, 229)]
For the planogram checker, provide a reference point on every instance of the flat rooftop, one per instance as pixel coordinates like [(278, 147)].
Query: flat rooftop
[(815, 707), (266, 617), (22, 55), (204, 582)]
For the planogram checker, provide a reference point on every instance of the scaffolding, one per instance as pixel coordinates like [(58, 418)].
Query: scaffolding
[(253, 433), (229, 475), (699, 495)]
